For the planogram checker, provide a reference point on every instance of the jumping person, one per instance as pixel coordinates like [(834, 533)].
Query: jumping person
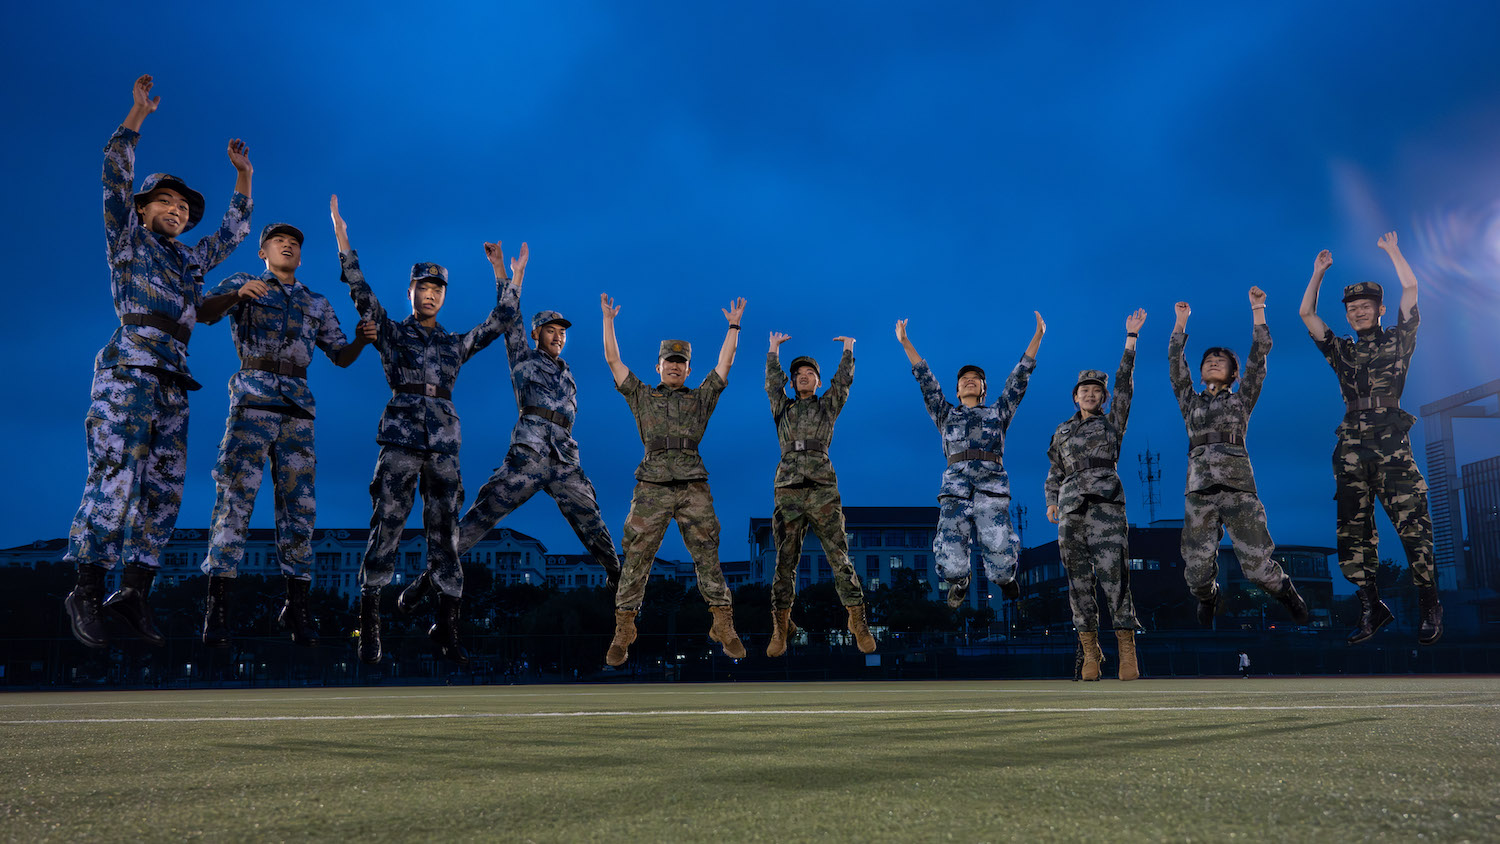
[(807, 490), (1220, 482), (974, 499), (276, 322), (419, 435), (1087, 502), (136, 428), (671, 481), (1373, 458)]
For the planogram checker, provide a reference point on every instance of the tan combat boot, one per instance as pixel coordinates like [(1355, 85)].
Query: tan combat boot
[(860, 629), (1128, 668), (619, 649), (723, 632), (1093, 658), (782, 630)]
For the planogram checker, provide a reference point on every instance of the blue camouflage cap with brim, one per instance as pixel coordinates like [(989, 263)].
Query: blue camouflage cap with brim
[(157, 181), (548, 318), (428, 271), (280, 228), (681, 349), (1364, 290)]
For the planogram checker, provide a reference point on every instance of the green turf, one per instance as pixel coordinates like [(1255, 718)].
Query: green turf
[(1394, 758)]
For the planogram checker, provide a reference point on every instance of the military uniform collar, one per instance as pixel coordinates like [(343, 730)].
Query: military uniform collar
[(437, 327), (1370, 333), (661, 387), (270, 278)]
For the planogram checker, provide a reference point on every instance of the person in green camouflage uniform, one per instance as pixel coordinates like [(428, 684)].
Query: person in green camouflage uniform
[(1087, 503), (672, 482), (1373, 457), (807, 490), (1220, 482)]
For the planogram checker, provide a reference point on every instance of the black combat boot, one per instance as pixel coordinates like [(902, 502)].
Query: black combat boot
[(414, 594), (1431, 628), (85, 606), (216, 614), (1210, 607), (444, 633), (296, 615), (129, 604), (369, 625), (958, 591), (1293, 602), (1373, 614)]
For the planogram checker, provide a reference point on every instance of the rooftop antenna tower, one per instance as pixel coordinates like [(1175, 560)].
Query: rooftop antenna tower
[(1149, 472)]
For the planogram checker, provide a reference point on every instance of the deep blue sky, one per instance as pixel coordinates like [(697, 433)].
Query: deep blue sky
[(842, 165)]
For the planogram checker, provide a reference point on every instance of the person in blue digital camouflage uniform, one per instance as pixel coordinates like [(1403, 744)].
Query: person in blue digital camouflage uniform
[(419, 436), (974, 499), (277, 322), (136, 428)]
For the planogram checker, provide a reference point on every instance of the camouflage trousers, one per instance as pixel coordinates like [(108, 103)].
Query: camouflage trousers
[(525, 473), (983, 520), (1205, 517), (818, 507), (136, 439), (400, 473), (1093, 542), (1363, 474), (251, 435), (652, 507)]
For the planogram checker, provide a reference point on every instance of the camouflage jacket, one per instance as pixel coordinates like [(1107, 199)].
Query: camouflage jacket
[(1219, 464), (152, 273), (283, 325), (663, 412), (982, 427), (412, 354), (539, 380), (1096, 438), (806, 419), (1374, 363)]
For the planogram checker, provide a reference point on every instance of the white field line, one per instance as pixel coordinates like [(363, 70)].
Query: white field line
[(656, 713), (134, 697)]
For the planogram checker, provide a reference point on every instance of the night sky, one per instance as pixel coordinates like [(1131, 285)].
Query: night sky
[(841, 165)]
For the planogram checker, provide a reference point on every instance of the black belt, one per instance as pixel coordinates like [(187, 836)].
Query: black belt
[(804, 445), (161, 322), (280, 367), (1371, 402), (974, 454), (549, 415), (1090, 463), (1214, 438), (430, 390), (665, 443)]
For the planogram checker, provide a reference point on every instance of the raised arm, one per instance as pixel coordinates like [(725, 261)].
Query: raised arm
[(119, 171), (775, 375), (478, 338), (1403, 272), (1309, 310), (906, 346), (1124, 389), (733, 313), (843, 377), (1177, 368), (1254, 376), (617, 367), (1036, 338), (365, 301), (211, 250), (932, 392), (144, 104)]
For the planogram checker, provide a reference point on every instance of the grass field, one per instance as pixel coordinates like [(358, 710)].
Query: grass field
[(1205, 760)]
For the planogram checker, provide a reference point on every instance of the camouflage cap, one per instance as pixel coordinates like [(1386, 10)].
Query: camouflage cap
[(280, 228), (804, 360), (676, 349), (428, 270), (157, 181), (1091, 376), (1364, 290), (971, 368), (547, 318)]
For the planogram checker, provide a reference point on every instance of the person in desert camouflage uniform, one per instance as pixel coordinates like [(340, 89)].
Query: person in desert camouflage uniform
[(1220, 482), (136, 428), (974, 499), (1087, 503), (807, 491), (1373, 458), (276, 322), (419, 435), (671, 481)]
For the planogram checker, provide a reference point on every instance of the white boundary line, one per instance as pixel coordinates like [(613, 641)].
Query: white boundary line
[(656, 713)]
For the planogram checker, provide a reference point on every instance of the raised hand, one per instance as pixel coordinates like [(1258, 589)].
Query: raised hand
[(518, 264), (141, 91), (1041, 326), (1134, 322), (1257, 297), (496, 255), (1183, 311), (901, 331), (1323, 261), (608, 306), (777, 338), (847, 341), (1387, 242), (252, 289), (735, 310), (340, 229), (239, 156)]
